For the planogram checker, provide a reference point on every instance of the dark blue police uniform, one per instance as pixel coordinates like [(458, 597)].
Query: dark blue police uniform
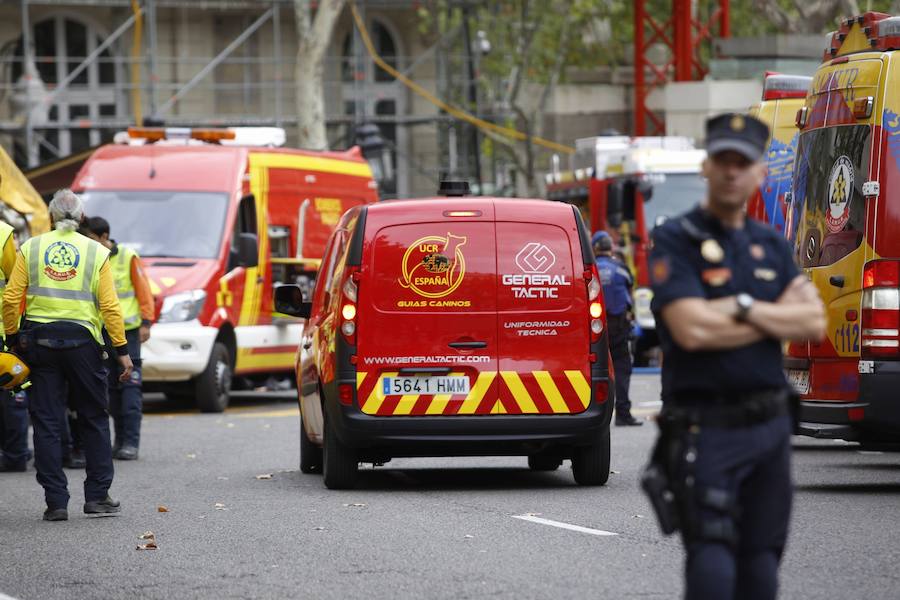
[(738, 462), (617, 283), (14, 431)]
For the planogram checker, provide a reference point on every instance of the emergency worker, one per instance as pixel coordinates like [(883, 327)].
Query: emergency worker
[(69, 292), (133, 289), (13, 405), (617, 283), (726, 293)]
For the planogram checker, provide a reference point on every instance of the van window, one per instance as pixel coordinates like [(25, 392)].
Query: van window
[(245, 222), (830, 208)]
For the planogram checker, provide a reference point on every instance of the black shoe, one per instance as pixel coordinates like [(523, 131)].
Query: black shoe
[(6, 467), (56, 514), (100, 507), (628, 421), (75, 460), (126, 453)]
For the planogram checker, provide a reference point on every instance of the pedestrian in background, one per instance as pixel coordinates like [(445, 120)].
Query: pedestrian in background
[(13, 405), (726, 293), (617, 284), (136, 299), (69, 292)]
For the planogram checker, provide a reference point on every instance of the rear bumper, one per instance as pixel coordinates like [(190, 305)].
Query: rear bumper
[(467, 435), (874, 416)]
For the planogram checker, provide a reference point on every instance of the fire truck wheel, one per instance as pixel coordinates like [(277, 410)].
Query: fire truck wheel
[(213, 385), (310, 454), (544, 462), (340, 465), (590, 464)]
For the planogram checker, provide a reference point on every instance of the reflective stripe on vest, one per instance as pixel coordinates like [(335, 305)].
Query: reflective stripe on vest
[(121, 267), (63, 275), (5, 232)]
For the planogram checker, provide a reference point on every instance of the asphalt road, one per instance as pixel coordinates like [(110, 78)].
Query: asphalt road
[(416, 528)]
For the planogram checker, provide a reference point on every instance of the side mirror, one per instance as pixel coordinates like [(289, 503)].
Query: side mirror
[(289, 301), (248, 250), (645, 188)]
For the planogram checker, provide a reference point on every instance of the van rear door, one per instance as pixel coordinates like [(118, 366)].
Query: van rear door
[(427, 325), (543, 328)]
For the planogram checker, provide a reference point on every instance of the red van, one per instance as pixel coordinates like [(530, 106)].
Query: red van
[(445, 327)]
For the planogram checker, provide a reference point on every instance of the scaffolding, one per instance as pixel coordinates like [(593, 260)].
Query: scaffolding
[(245, 80)]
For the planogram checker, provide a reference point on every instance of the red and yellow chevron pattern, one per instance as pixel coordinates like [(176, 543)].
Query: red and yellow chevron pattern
[(513, 393)]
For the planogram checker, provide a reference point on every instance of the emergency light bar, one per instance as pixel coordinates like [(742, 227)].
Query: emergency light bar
[(882, 31), (778, 86), (153, 134), (233, 136)]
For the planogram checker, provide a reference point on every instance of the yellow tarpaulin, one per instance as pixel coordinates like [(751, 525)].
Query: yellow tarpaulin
[(17, 193)]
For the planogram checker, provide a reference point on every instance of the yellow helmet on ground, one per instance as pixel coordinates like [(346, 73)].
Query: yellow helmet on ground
[(13, 371)]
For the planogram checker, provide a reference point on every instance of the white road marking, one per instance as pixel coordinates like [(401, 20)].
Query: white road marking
[(562, 525), (5, 597)]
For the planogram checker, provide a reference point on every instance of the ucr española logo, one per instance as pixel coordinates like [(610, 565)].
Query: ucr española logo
[(61, 261), (434, 266)]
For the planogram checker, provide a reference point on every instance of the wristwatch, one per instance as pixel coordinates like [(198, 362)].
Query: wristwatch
[(744, 304)]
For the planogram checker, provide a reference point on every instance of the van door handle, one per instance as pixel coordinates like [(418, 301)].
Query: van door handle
[(467, 345), (836, 280)]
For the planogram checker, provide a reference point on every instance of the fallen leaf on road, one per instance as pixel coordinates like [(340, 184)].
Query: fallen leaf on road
[(615, 472), (229, 425), (162, 508), (637, 516), (318, 528), (356, 505), (192, 455), (147, 535), (220, 506), (147, 546), (264, 476), (222, 478), (533, 514), (469, 537), (267, 426)]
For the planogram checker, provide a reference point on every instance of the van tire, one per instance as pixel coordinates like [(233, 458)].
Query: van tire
[(213, 385), (310, 454), (340, 465), (590, 464), (544, 462)]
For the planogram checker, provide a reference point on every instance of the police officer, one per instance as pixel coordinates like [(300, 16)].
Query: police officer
[(727, 293), (69, 292), (617, 283), (13, 405), (133, 289)]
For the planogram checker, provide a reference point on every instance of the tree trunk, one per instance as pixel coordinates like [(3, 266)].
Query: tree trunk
[(313, 37)]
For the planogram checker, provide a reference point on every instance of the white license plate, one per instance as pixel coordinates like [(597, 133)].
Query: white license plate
[(404, 386), (799, 379)]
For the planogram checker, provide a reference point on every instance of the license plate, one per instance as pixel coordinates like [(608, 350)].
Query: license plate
[(405, 386), (799, 379)]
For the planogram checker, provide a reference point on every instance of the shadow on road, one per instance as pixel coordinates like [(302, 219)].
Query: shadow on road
[(462, 480), (846, 448), (850, 488), (160, 404)]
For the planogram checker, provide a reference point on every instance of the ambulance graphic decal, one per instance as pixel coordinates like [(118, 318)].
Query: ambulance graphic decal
[(61, 261), (840, 191), (434, 266)]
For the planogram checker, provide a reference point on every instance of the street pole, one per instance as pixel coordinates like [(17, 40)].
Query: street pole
[(473, 96), (154, 69)]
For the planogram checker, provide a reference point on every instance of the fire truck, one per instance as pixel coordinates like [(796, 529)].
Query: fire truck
[(220, 218), (783, 95), (843, 219), (613, 182)]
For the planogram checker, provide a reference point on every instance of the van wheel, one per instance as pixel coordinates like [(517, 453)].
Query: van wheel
[(213, 385), (590, 464), (310, 454), (340, 465), (544, 462)]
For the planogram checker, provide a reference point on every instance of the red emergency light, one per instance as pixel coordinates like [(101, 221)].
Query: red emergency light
[(881, 29), (154, 134), (777, 86)]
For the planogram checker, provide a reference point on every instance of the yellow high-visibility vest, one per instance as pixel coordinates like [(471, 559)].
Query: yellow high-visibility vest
[(121, 267), (6, 231), (63, 279)]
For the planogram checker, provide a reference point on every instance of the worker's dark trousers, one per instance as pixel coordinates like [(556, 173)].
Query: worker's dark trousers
[(83, 370), (126, 398), (619, 334), (14, 428)]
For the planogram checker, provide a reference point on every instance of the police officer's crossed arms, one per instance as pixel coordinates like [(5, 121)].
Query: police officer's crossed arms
[(727, 294)]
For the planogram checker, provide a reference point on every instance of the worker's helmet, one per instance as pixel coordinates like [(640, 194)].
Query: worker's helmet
[(602, 242), (13, 371)]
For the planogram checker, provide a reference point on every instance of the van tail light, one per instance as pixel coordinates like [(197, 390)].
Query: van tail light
[(350, 291), (601, 392), (596, 313), (345, 394), (880, 335)]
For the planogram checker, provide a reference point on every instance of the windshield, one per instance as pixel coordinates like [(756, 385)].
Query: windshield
[(169, 224), (673, 195)]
